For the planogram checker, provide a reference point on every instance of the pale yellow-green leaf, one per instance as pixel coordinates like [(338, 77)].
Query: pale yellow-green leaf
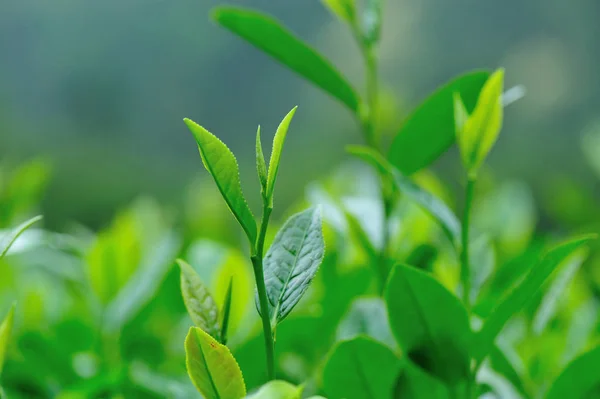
[(222, 165), (5, 330), (278, 141), (199, 303), (261, 166), (481, 129), (212, 368), (461, 116), (343, 9), (278, 390)]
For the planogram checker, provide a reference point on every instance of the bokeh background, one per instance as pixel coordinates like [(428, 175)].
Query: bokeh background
[(98, 90)]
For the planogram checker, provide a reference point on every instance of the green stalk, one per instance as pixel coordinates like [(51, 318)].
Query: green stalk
[(465, 271), (257, 263)]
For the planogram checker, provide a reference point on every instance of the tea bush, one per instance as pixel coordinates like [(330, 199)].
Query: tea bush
[(372, 287)]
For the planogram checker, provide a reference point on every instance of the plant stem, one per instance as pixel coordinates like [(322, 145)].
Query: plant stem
[(257, 263), (465, 270)]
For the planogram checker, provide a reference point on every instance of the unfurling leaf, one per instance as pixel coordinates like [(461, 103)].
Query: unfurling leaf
[(580, 379), (292, 261), (344, 9), (261, 166), (430, 324), (278, 390), (361, 368), (199, 303), (479, 131), (522, 294), (271, 37), (222, 165), (429, 131), (278, 141), (225, 311), (11, 237), (5, 330), (212, 368)]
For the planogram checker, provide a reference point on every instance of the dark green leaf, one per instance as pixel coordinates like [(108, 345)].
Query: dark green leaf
[(429, 130), (271, 37), (278, 141), (414, 383), (361, 368), (520, 296), (222, 165), (292, 261), (225, 311), (212, 368), (11, 237), (429, 323), (199, 303), (580, 380)]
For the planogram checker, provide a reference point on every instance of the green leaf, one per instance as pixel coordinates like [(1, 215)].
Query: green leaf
[(198, 301), (516, 300), (225, 311), (442, 214), (477, 134), (429, 130), (270, 36), (292, 261), (429, 323), (371, 21), (9, 239), (5, 330), (414, 383), (343, 9), (278, 390), (212, 368), (222, 165), (580, 379), (368, 317), (361, 368), (261, 166), (278, 141)]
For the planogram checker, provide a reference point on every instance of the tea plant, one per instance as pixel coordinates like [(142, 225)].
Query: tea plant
[(372, 288)]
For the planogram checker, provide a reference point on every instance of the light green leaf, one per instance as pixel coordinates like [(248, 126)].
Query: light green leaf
[(515, 300), (368, 317), (278, 141), (225, 311), (429, 323), (143, 284), (343, 9), (361, 368), (212, 368), (5, 330), (222, 165), (261, 166), (371, 21), (480, 130), (429, 202), (10, 238), (429, 130), (270, 36), (198, 301), (580, 380), (292, 261), (278, 390)]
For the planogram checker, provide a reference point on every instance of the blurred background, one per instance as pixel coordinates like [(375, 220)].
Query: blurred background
[(98, 90)]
